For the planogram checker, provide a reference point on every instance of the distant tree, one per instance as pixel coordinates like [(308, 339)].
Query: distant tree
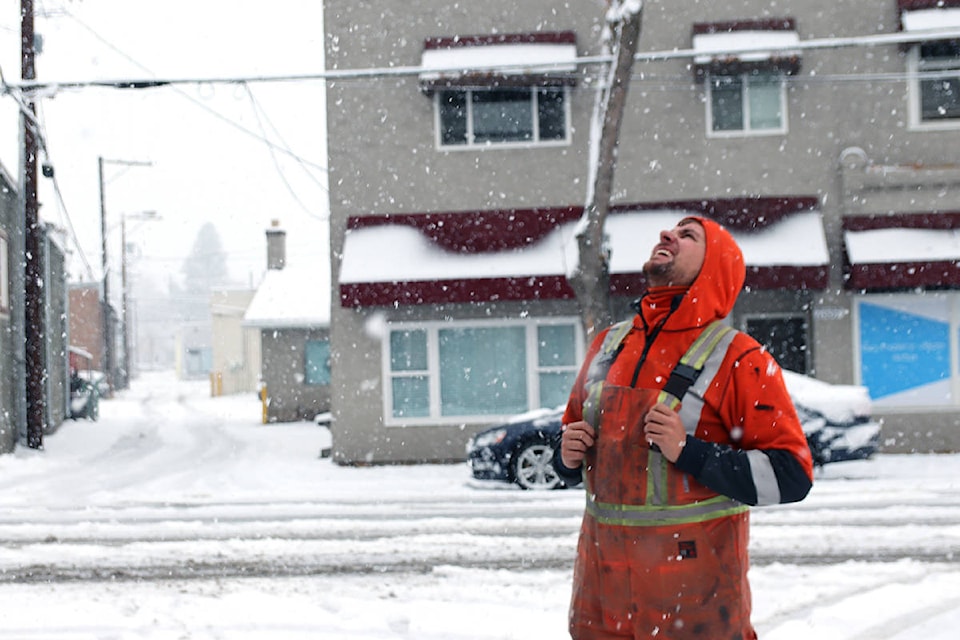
[(591, 280), (204, 269)]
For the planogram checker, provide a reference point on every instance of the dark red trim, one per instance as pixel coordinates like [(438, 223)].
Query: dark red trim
[(485, 290), (536, 37), (903, 275), (764, 24), (918, 5), (499, 80), (383, 294), (890, 276), (503, 229), (938, 220), (478, 231), (788, 278), (732, 64)]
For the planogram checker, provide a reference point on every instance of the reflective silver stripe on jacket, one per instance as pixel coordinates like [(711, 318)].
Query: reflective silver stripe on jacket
[(764, 478)]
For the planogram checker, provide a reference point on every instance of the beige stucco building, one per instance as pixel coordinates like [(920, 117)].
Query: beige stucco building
[(815, 131)]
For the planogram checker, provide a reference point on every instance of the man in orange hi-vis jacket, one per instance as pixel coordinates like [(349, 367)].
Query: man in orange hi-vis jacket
[(676, 424)]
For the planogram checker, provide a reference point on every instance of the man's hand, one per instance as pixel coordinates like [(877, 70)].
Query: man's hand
[(662, 427), (576, 438)]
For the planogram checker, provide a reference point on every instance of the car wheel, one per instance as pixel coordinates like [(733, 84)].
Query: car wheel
[(533, 467)]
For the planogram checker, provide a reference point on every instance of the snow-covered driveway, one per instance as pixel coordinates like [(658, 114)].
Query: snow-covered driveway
[(178, 515)]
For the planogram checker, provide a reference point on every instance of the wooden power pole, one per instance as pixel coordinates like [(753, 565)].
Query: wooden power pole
[(591, 280)]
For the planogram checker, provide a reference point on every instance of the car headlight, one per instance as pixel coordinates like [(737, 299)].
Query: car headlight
[(490, 438)]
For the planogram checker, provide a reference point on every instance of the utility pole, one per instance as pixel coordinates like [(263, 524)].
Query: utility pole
[(591, 280), (33, 270), (109, 355)]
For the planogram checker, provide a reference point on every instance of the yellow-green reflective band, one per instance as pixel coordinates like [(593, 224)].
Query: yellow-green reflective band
[(657, 478), (591, 404), (704, 345), (652, 516), (697, 355)]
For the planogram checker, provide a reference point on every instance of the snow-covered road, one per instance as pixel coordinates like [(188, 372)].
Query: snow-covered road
[(178, 515)]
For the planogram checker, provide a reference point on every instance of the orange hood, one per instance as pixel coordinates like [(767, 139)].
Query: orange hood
[(712, 295)]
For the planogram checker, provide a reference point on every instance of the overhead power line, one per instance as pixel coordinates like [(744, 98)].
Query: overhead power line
[(882, 39)]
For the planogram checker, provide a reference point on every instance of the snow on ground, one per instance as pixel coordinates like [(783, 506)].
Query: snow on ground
[(177, 515)]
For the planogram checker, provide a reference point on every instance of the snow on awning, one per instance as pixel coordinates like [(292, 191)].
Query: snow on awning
[(745, 46), (523, 59), (396, 264), (923, 15), (902, 251)]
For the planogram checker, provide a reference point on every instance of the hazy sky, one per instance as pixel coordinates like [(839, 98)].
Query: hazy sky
[(206, 142)]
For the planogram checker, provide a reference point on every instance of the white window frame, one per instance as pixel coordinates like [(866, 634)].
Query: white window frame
[(432, 329), (913, 97), (470, 145), (746, 131)]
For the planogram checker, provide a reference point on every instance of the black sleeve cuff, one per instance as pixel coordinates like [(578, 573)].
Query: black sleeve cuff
[(693, 456), (570, 477)]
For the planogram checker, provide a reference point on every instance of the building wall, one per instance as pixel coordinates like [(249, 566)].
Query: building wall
[(57, 381), (86, 321), (236, 349), (283, 370), (359, 432), (843, 98), (10, 398)]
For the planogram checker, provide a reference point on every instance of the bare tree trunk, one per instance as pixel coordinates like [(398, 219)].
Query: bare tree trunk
[(591, 280)]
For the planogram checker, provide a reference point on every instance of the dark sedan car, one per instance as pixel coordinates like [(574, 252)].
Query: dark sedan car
[(836, 420)]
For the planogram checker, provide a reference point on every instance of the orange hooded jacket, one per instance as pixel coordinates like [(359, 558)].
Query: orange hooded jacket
[(663, 547)]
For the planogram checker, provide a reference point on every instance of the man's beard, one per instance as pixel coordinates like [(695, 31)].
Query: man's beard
[(657, 272)]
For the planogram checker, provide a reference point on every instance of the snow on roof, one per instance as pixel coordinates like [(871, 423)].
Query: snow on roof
[(296, 296), (397, 253), (930, 19), (885, 246), (751, 45), (536, 57)]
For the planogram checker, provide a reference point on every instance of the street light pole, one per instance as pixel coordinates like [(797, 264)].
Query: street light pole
[(109, 356)]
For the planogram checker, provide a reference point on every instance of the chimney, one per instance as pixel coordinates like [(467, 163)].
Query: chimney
[(276, 246)]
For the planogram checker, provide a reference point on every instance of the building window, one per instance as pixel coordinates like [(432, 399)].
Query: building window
[(4, 276), (317, 362), (556, 363), (448, 372), (746, 104), (502, 116), (935, 99), (785, 338)]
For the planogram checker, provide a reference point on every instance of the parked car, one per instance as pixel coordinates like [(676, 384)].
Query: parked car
[(836, 419), (85, 393)]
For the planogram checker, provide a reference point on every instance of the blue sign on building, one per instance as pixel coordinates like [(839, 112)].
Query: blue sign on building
[(904, 353)]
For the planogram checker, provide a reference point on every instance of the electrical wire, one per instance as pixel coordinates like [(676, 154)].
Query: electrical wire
[(67, 218), (154, 82), (260, 116)]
